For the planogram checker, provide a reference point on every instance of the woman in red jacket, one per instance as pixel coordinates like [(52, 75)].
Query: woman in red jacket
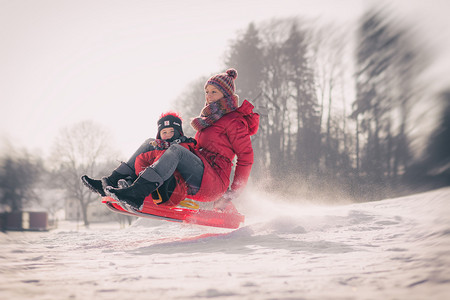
[(223, 132)]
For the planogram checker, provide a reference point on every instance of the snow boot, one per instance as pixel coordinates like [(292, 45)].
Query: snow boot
[(135, 194), (113, 179), (99, 186), (121, 172), (94, 185)]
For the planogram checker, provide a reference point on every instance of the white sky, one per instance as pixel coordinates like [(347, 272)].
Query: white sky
[(122, 62)]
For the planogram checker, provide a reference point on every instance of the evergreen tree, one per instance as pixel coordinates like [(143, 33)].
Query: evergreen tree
[(438, 150), (303, 93), (246, 56), (19, 174)]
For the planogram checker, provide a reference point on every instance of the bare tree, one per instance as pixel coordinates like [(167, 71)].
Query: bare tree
[(81, 149)]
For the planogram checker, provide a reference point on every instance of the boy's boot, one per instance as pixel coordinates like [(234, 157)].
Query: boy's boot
[(135, 194), (98, 186), (121, 172), (94, 185)]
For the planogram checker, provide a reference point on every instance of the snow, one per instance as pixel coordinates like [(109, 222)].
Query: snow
[(390, 249)]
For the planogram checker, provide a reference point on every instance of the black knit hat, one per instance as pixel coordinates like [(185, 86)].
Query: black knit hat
[(170, 119)]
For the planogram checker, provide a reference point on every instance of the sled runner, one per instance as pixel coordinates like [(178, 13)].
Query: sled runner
[(186, 212)]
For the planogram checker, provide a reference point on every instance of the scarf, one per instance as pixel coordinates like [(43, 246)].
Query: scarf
[(214, 111), (165, 144)]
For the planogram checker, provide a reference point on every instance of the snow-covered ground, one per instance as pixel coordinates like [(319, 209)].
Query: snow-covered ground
[(391, 249)]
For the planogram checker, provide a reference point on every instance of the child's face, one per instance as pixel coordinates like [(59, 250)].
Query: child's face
[(167, 133), (212, 94)]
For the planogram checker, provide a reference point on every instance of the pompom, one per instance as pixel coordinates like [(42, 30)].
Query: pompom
[(232, 73), (171, 113)]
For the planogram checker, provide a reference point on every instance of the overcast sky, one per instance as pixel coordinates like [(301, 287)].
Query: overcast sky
[(122, 62)]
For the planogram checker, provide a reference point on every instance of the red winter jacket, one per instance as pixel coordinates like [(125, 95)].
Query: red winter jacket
[(218, 144)]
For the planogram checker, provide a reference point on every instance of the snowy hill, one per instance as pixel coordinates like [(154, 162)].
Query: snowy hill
[(390, 249)]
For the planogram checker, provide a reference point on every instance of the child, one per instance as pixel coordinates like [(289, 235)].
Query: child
[(174, 189), (170, 132)]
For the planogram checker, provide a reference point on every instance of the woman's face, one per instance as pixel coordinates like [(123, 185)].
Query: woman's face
[(167, 133), (212, 94)]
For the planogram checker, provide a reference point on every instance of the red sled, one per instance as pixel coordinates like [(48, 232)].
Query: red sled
[(190, 214)]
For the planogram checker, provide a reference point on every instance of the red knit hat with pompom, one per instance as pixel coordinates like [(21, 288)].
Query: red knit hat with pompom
[(224, 82)]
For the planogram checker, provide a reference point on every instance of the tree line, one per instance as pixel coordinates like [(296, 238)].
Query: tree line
[(27, 179), (336, 106)]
